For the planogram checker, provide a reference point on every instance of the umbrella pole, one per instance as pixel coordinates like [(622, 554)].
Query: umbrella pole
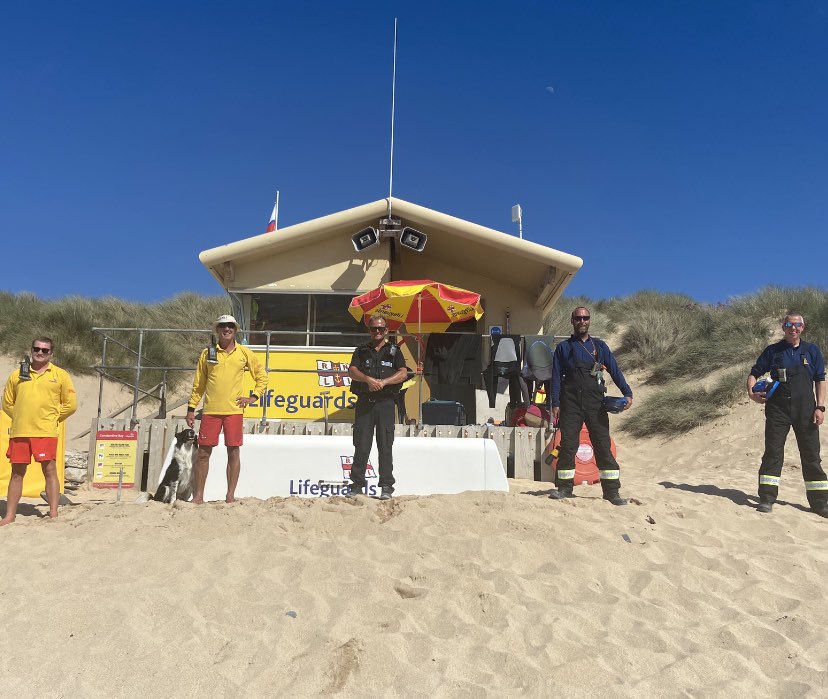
[(419, 359)]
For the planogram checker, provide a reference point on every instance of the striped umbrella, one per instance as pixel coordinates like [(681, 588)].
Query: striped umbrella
[(424, 306)]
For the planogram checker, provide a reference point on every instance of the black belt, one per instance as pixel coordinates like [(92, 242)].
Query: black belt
[(378, 399)]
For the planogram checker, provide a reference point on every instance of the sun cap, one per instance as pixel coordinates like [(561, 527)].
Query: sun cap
[(226, 319), (614, 404)]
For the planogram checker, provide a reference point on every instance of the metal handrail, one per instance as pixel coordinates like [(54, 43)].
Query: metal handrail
[(103, 368)]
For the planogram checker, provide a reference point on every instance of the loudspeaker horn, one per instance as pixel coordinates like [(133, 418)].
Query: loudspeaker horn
[(366, 238), (413, 239)]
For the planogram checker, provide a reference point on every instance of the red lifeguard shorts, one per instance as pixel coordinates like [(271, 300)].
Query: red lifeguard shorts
[(23, 449), (212, 425)]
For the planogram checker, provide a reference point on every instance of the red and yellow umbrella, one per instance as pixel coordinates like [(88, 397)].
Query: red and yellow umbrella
[(423, 306)]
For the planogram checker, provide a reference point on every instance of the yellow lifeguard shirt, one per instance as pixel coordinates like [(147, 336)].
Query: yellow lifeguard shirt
[(37, 407), (221, 384)]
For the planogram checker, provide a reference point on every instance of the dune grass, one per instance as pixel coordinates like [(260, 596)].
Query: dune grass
[(677, 407), (69, 322)]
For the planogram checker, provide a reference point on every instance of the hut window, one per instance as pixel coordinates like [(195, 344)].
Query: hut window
[(301, 318)]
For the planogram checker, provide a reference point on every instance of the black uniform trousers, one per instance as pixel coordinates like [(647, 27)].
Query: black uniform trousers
[(371, 415), (778, 423), (583, 406)]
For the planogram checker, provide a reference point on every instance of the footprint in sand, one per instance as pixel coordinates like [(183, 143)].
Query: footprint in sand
[(408, 592)]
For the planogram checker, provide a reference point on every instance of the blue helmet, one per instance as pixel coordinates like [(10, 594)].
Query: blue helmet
[(765, 386), (613, 404)]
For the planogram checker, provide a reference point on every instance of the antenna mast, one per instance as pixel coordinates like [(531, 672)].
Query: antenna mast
[(393, 99)]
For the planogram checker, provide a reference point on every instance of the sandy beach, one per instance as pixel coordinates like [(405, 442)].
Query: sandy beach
[(686, 592)]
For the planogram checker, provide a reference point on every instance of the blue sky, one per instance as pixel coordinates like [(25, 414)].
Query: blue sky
[(682, 145)]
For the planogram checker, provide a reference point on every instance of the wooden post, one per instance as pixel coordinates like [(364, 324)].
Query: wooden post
[(315, 428), (157, 452), (502, 437), (524, 451), (448, 431)]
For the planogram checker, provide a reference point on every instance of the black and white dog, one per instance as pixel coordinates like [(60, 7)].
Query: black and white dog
[(179, 480)]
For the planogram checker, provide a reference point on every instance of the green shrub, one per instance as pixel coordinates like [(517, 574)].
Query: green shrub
[(674, 409), (69, 321), (558, 321), (771, 303), (720, 339), (645, 303)]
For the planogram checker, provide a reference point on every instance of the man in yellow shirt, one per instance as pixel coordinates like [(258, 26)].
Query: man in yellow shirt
[(221, 381), (37, 402)]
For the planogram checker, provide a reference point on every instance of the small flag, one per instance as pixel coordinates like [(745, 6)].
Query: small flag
[(272, 225)]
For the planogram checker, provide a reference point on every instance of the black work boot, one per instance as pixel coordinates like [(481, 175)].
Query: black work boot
[(820, 508), (765, 504), (563, 491), (354, 491), (613, 497)]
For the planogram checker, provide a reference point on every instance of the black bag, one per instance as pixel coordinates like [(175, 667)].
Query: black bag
[(443, 412)]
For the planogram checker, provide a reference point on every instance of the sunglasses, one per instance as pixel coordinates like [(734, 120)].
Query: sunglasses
[(226, 325), (580, 317), (792, 325), (378, 329), (41, 350)]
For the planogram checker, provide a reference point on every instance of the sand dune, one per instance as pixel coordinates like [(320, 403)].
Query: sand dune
[(686, 592)]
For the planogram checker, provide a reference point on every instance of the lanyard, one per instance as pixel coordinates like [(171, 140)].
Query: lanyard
[(592, 355)]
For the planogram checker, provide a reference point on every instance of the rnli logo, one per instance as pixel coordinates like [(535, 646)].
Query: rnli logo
[(347, 462), (332, 374)]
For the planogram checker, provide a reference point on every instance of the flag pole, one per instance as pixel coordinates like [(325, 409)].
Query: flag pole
[(277, 210), (393, 104)]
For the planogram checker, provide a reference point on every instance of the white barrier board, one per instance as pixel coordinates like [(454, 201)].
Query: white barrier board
[(317, 466)]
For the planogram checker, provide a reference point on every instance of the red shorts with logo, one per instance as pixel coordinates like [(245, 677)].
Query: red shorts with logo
[(211, 425), (23, 449)]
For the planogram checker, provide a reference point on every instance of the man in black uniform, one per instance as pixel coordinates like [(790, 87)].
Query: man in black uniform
[(799, 368), (377, 370), (577, 391)]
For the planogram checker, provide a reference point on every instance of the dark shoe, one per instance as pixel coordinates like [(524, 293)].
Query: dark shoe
[(563, 491), (764, 506), (387, 493), (821, 509), (353, 492), (613, 497)]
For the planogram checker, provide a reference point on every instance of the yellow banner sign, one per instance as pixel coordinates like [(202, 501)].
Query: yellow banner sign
[(115, 450), (312, 381)]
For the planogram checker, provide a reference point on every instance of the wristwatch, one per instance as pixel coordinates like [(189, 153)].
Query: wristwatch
[(821, 407)]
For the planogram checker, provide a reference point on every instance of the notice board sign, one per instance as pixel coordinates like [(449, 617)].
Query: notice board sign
[(115, 450)]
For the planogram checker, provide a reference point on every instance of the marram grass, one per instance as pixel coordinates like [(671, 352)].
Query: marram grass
[(69, 322)]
